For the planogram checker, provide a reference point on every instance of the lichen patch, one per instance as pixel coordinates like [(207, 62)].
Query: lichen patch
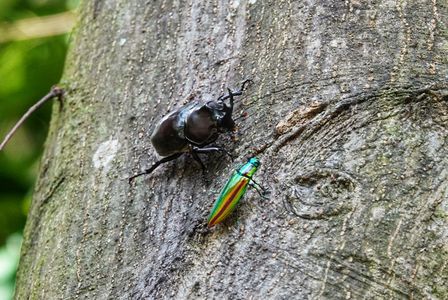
[(105, 154)]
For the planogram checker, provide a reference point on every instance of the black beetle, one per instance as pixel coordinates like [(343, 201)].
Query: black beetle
[(191, 128)]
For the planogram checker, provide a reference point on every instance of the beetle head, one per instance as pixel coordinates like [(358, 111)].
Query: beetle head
[(223, 114), (254, 161)]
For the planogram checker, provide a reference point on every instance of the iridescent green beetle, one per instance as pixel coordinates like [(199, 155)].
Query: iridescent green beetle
[(234, 190)]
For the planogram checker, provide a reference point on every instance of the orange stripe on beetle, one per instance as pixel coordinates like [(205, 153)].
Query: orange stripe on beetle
[(231, 198)]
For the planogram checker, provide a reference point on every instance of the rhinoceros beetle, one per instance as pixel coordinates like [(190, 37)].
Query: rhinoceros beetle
[(193, 127)]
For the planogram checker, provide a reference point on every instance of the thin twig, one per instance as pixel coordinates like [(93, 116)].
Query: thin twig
[(54, 92)]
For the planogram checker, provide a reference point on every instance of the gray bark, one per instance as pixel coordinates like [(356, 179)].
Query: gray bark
[(348, 114)]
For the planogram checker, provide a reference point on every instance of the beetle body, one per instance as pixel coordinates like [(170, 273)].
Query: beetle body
[(233, 191), (191, 128), (197, 124)]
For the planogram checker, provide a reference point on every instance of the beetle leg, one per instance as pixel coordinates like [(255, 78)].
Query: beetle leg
[(211, 149), (258, 187), (261, 193), (231, 99), (154, 166), (196, 158)]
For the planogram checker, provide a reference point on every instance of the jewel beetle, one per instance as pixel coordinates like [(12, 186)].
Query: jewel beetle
[(192, 128), (234, 190)]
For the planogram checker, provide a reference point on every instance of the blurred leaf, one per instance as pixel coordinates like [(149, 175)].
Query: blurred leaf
[(12, 71), (13, 218), (9, 260), (37, 27), (27, 70)]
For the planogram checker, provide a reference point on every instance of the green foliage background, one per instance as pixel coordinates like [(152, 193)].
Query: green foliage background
[(27, 71)]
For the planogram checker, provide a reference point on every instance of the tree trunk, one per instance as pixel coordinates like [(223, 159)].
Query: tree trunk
[(348, 114)]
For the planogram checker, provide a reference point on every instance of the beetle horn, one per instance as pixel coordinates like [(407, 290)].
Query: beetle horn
[(237, 93)]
